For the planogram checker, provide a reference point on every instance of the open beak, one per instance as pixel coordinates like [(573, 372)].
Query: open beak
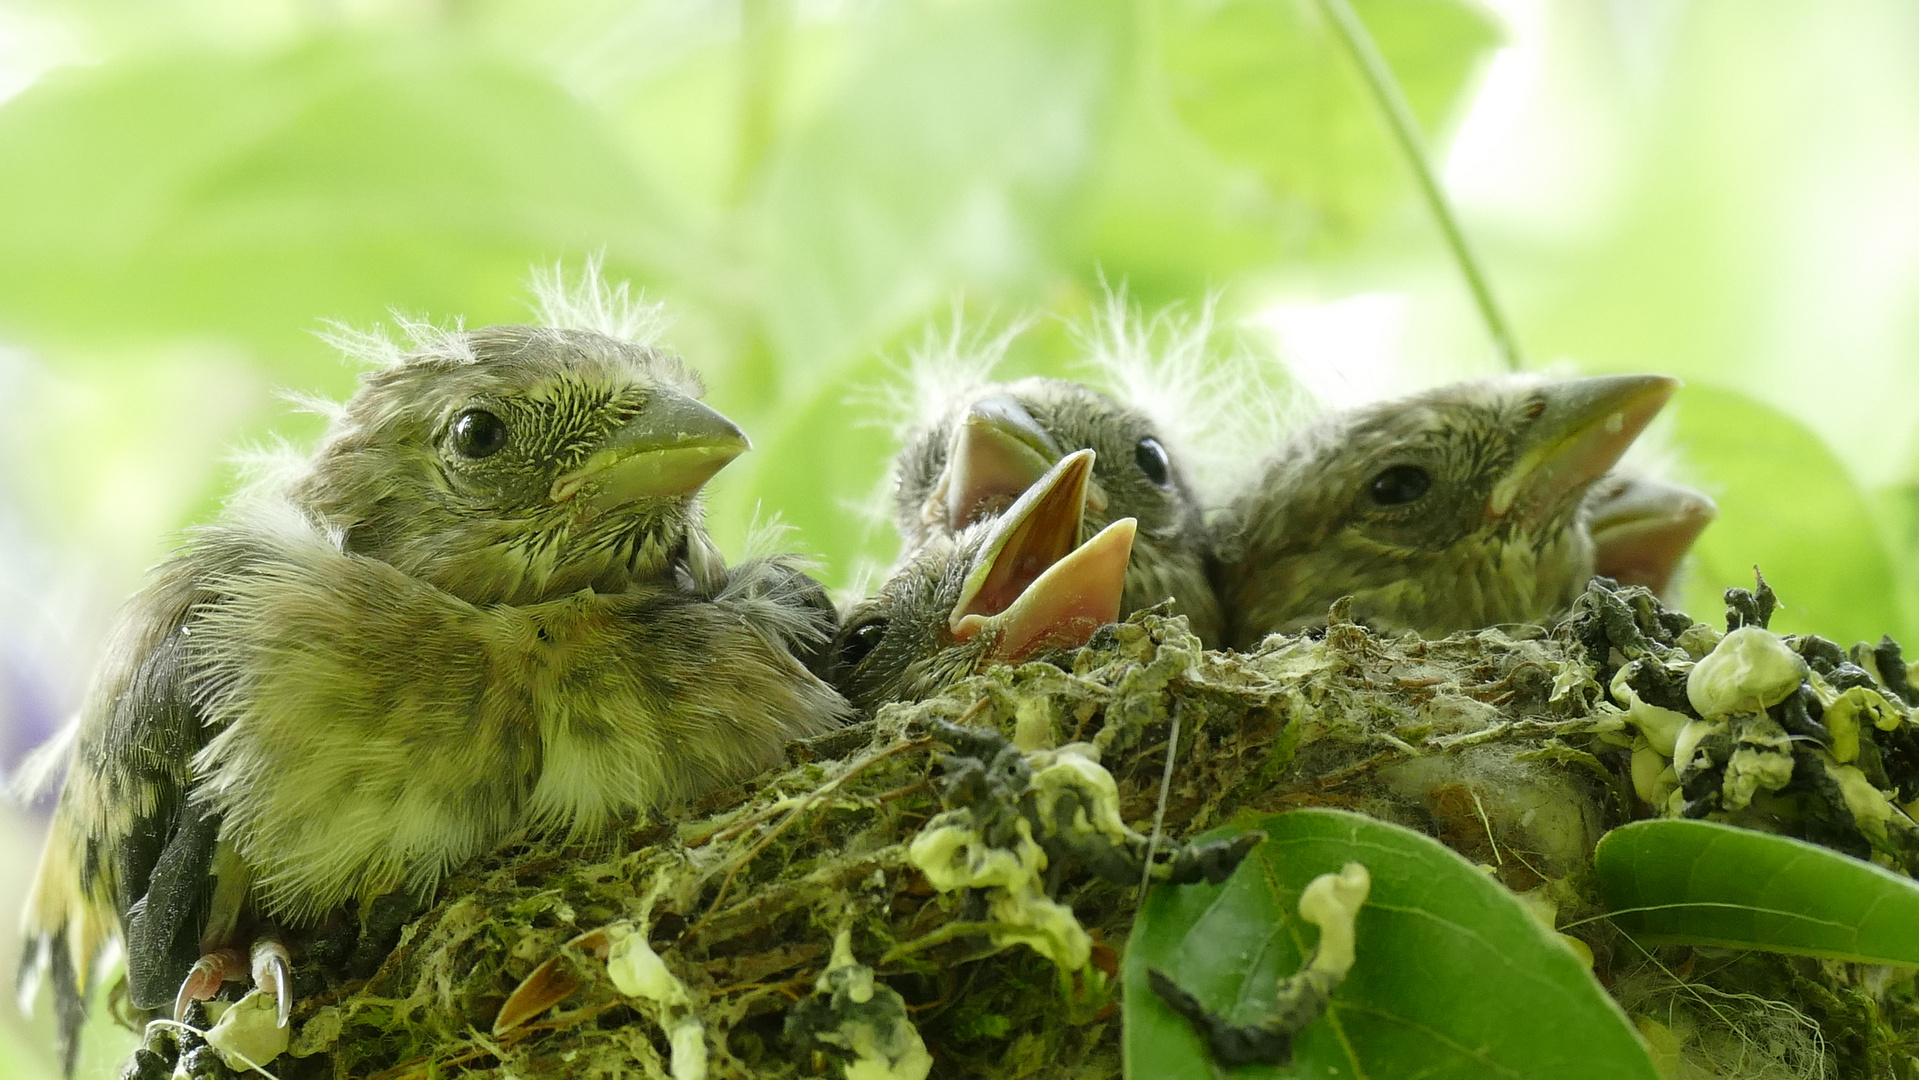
[(1642, 528), (998, 452), (1583, 428), (672, 447), (1030, 587)]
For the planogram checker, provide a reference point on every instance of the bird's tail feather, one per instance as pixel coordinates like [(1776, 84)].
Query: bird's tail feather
[(65, 933), (42, 768), (69, 1000)]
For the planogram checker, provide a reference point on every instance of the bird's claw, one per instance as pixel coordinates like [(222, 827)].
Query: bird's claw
[(270, 967), (204, 978)]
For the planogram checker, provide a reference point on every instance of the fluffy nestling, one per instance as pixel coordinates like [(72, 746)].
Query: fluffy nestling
[(1459, 508), (990, 444), (1002, 590), (485, 604)]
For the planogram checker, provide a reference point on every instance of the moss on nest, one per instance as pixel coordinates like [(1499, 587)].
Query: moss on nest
[(794, 935)]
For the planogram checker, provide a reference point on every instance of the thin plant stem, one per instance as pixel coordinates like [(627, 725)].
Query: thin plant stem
[(1159, 812), (1405, 128)]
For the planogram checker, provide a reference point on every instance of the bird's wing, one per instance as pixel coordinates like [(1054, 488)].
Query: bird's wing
[(125, 852)]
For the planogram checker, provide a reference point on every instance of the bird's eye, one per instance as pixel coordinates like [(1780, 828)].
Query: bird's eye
[(478, 433), (860, 641), (1150, 456), (1399, 485)]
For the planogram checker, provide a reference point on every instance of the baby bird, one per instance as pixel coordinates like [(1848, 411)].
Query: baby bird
[(1642, 529), (973, 462), (485, 604), (1454, 509), (1003, 590)]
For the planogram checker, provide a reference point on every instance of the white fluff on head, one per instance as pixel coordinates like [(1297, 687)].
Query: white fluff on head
[(770, 535), (318, 405), (947, 365), (590, 302), (374, 348), (1209, 403), (266, 469), (764, 580), (863, 579), (944, 367)]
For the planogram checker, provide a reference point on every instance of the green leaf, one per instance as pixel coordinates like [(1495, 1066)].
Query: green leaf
[(1267, 87), (950, 156), (1704, 883), (1453, 978), (1787, 504), (216, 197)]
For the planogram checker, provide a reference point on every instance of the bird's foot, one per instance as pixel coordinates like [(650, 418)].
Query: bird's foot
[(268, 969)]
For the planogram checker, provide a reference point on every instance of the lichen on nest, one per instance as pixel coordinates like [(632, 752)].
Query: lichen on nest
[(893, 898)]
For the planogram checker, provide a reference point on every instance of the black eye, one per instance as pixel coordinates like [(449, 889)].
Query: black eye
[(1150, 456), (1399, 484), (478, 433), (860, 641)]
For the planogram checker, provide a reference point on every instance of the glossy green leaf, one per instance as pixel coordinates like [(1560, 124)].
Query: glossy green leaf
[(1704, 883), (1453, 977), (1787, 504)]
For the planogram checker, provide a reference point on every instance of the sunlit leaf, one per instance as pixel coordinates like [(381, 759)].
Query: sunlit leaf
[(1789, 506), (1453, 978), (1704, 883)]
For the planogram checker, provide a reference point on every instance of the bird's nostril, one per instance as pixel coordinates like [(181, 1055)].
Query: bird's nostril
[(1534, 410)]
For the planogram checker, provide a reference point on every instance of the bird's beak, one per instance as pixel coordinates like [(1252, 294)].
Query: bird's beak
[(1030, 586), (1584, 426), (672, 446), (1642, 528), (998, 452)]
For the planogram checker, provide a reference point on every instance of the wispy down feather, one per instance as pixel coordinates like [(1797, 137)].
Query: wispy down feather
[(1210, 399), (590, 302), (374, 348), (946, 365)]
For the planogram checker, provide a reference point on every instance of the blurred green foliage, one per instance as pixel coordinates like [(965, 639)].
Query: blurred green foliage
[(191, 186), (804, 189)]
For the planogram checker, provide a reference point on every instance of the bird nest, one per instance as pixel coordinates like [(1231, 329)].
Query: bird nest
[(881, 900)]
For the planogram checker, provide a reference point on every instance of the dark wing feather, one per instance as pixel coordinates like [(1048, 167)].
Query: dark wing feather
[(163, 926), (126, 848)]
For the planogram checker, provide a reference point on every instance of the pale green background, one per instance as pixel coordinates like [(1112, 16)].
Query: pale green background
[(1725, 191)]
